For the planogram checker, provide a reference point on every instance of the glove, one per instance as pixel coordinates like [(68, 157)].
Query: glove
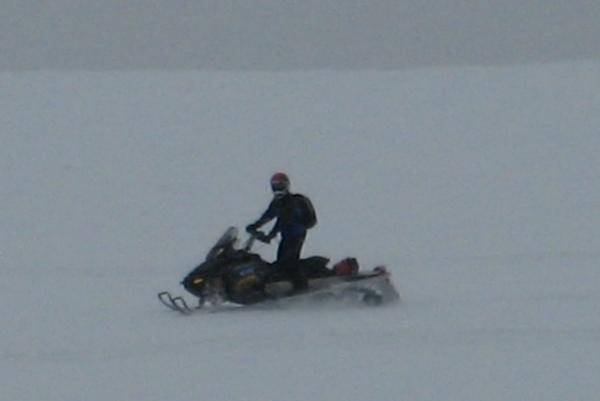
[(262, 237), (251, 229)]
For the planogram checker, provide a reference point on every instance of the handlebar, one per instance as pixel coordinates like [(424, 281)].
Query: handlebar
[(249, 243)]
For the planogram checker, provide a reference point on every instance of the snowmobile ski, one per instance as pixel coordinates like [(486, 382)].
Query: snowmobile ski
[(177, 304)]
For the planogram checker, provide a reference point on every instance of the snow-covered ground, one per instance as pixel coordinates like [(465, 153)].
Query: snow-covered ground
[(478, 187)]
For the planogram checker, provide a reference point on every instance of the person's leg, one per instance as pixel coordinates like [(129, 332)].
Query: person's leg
[(288, 255)]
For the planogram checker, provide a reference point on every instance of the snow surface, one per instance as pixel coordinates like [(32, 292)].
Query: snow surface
[(478, 187)]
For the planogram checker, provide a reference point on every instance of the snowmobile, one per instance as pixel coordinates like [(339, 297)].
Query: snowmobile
[(234, 277)]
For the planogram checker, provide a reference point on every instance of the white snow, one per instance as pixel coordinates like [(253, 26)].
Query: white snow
[(479, 187)]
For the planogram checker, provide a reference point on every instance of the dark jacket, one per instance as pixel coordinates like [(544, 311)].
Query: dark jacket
[(294, 213)]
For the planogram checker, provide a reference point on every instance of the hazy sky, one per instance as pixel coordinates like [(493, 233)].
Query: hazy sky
[(284, 34)]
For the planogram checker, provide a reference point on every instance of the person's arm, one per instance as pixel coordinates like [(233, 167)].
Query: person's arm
[(274, 231), (267, 216)]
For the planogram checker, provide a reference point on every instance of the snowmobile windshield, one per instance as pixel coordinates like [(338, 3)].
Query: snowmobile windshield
[(224, 244)]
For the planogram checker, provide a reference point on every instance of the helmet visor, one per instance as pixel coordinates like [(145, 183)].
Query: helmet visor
[(279, 186)]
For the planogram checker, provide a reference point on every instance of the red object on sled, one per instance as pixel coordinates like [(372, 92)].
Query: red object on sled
[(346, 267)]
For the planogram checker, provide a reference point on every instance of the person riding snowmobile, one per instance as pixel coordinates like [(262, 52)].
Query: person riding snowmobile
[(295, 214)]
